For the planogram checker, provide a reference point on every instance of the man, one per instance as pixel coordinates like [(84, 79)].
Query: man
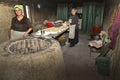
[(74, 21)]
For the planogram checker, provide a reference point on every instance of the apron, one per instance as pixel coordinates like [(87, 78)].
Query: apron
[(17, 35), (72, 31)]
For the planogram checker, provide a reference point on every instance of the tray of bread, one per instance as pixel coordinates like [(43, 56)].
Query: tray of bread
[(51, 32)]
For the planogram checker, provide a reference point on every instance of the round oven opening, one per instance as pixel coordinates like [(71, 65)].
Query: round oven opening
[(28, 46)]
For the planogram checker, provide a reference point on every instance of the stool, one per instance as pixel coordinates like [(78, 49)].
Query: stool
[(95, 50), (103, 50)]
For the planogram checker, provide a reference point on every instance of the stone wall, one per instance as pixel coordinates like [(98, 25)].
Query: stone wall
[(42, 14), (6, 14)]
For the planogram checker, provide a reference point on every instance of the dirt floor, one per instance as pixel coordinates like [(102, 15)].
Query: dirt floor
[(79, 65)]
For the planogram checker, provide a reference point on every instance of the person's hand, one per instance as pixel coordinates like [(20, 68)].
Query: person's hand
[(68, 23), (25, 35)]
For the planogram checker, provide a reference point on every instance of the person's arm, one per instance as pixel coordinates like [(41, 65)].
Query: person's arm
[(11, 30), (29, 28), (27, 32)]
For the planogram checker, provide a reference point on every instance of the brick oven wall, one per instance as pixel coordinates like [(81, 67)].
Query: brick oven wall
[(6, 14)]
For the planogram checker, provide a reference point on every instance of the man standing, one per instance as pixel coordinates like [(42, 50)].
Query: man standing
[(74, 21)]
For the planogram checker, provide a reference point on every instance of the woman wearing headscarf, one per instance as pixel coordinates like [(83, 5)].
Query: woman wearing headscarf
[(20, 25), (74, 22)]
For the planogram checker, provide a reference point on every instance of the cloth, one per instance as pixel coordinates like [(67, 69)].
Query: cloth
[(103, 34), (117, 20), (72, 31), (50, 24), (115, 30), (95, 43), (19, 6), (22, 25), (17, 35), (113, 37), (99, 43), (74, 21)]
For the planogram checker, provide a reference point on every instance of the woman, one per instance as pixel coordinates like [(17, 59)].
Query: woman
[(20, 25), (74, 21)]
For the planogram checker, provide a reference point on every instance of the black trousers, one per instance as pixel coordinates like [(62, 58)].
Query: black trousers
[(76, 38)]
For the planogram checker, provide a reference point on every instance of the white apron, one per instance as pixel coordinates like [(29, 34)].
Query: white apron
[(72, 31), (17, 35)]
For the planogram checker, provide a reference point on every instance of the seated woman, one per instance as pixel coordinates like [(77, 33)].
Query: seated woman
[(20, 25)]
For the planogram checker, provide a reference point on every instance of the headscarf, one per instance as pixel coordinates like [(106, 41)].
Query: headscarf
[(18, 6)]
